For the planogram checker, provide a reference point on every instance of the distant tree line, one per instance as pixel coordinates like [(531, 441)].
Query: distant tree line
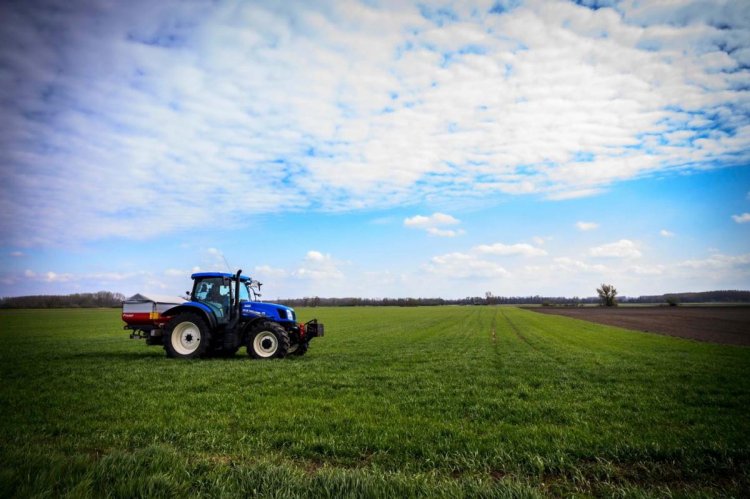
[(109, 299), (490, 299), (78, 300), (725, 296), (316, 301)]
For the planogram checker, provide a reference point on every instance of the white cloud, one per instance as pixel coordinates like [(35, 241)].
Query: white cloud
[(567, 264), (129, 282), (624, 248), (433, 223), (476, 263), (162, 116), (319, 267), (510, 249), (444, 232), (647, 270), (110, 277), (266, 271), (49, 277), (666, 233), (464, 266), (716, 271), (586, 226), (55, 277), (741, 219), (17, 254), (564, 192), (434, 220), (718, 261), (317, 257)]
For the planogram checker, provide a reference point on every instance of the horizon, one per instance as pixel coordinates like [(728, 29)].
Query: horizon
[(371, 149), (378, 298)]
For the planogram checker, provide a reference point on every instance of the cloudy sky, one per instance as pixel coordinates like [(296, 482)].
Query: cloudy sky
[(375, 148)]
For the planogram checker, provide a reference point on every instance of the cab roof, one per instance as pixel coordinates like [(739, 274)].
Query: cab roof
[(203, 275)]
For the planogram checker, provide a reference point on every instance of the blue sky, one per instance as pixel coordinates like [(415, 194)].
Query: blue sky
[(367, 148)]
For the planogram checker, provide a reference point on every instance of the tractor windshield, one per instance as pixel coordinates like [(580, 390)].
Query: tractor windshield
[(244, 295)]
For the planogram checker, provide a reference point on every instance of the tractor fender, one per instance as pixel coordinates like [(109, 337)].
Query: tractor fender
[(248, 325), (191, 306)]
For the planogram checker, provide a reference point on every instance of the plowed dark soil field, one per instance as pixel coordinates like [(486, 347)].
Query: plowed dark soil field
[(728, 325)]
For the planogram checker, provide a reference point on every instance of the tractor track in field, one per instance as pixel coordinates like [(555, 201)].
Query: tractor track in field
[(497, 358), (518, 333), (493, 332), (541, 351)]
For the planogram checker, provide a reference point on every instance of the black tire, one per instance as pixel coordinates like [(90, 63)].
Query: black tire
[(267, 340), (301, 348), (187, 337)]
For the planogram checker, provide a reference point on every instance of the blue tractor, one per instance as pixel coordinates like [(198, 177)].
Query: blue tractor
[(224, 314)]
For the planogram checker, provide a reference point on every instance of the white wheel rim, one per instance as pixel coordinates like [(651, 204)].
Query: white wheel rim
[(186, 338), (265, 344), (293, 348)]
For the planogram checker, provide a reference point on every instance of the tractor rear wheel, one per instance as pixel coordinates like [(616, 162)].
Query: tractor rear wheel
[(186, 337), (267, 340)]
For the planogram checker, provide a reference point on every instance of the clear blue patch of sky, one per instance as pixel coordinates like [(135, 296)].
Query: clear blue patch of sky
[(504, 6), (596, 4), (440, 16)]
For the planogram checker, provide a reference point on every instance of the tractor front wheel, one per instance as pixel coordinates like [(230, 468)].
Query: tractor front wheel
[(299, 348), (267, 340), (187, 337)]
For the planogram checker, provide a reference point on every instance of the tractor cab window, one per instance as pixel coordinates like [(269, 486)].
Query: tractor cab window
[(244, 295), (214, 292)]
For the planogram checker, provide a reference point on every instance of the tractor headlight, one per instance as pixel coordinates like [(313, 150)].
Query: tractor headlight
[(285, 313)]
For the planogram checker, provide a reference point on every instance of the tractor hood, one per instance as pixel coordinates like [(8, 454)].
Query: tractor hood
[(273, 311)]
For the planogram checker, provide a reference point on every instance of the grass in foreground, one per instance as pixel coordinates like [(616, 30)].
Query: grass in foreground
[(438, 401)]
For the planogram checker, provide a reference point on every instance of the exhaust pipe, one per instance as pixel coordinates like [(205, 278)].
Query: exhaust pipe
[(237, 305)]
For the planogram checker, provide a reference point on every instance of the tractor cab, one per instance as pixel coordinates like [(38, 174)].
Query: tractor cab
[(216, 291)]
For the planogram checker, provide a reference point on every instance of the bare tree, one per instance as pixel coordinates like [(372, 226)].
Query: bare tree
[(607, 294)]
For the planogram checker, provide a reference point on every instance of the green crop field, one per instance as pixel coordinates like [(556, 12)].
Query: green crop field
[(392, 402)]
